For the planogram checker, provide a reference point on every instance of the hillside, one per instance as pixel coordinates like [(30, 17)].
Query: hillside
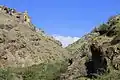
[(23, 46), (97, 54)]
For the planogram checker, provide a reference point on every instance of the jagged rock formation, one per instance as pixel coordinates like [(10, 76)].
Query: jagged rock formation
[(21, 45), (96, 53)]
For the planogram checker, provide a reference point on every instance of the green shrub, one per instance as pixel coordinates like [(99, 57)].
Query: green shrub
[(103, 28)]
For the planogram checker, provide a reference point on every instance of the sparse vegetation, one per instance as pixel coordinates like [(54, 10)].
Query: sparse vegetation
[(50, 71)]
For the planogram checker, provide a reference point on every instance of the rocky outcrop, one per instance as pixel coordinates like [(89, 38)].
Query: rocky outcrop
[(97, 63)]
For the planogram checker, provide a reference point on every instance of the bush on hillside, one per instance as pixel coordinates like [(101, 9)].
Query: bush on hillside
[(103, 29)]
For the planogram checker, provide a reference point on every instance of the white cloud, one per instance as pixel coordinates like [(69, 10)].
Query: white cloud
[(65, 40)]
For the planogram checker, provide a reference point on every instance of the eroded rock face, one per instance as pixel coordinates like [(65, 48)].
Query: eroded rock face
[(98, 63)]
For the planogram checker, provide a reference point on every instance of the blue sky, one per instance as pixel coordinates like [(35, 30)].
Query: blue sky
[(66, 17)]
